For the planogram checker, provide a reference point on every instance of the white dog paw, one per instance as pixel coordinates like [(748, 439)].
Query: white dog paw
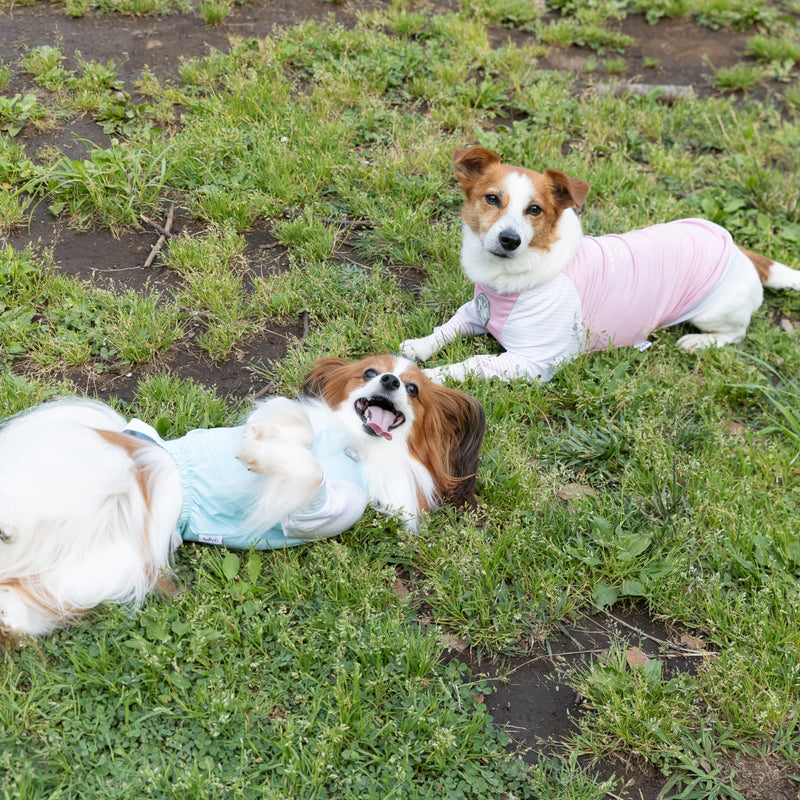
[(280, 419), (275, 429), (418, 349), (265, 454), (696, 341), (15, 617), (702, 341), (254, 455), (438, 374)]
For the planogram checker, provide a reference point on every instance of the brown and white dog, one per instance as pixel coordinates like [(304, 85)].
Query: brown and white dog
[(92, 505), (546, 292)]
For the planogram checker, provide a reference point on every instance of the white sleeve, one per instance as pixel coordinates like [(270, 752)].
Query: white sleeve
[(464, 322), (506, 366), (543, 331), (338, 505)]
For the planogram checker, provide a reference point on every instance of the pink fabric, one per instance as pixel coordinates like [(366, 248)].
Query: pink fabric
[(631, 283), (494, 309)]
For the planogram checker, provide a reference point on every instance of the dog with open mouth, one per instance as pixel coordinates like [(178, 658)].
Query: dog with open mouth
[(92, 505)]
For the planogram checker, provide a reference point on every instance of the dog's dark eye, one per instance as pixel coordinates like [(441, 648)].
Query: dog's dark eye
[(370, 374), (534, 210), (492, 199), (412, 390)]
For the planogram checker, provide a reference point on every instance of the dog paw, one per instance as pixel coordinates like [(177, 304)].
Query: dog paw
[(458, 372), (15, 617), (693, 342), (437, 374), (292, 471), (280, 420), (418, 349), (284, 427), (262, 455)]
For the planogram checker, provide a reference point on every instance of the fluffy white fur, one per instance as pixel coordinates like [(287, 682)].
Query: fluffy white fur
[(276, 443), (71, 515), (89, 512)]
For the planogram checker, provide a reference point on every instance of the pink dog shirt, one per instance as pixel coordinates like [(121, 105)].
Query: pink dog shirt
[(613, 293)]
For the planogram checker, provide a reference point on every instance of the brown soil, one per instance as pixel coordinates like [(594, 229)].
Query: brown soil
[(530, 699)]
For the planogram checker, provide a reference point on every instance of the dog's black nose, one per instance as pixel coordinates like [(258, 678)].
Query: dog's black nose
[(390, 382), (509, 240)]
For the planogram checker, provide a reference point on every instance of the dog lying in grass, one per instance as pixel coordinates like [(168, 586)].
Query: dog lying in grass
[(93, 505), (546, 292)]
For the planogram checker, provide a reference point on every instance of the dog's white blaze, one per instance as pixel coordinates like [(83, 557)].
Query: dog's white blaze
[(401, 363), (519, 189), (520, 193)]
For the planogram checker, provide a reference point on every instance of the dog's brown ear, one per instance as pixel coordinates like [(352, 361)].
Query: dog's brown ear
[(459, 428), (568, 192), (465, 454), (471, 162), (321, 374)]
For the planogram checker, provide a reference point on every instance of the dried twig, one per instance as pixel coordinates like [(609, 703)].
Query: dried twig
[(591, 651), (165, 231), (683, 650), (262, 391), (666, 93)]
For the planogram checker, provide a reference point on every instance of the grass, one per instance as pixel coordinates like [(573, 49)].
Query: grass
[(309, 674)]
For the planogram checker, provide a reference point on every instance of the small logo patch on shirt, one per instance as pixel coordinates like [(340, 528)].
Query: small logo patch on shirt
[(205, 538), (482, 308)]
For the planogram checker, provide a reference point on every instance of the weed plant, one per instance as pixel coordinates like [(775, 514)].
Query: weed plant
[(320, 672)]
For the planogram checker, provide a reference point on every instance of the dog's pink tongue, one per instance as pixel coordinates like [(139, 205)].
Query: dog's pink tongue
[(380, 420)]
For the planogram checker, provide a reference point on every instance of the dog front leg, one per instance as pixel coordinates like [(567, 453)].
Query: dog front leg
[(426, 346), (276, 443), (506, 366), (421, 349)]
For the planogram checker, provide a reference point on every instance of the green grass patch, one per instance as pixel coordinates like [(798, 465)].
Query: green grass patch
[(303, 674)]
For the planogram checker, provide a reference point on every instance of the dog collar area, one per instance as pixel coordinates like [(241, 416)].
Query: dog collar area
[(139, 435)]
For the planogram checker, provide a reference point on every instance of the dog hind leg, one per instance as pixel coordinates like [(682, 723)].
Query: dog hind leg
[(725, 319), (782, 277)]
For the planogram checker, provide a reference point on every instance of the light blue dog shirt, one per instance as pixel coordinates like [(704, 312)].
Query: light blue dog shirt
[(219, 492)]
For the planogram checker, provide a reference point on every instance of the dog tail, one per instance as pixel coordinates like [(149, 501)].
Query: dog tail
[(773, 274)]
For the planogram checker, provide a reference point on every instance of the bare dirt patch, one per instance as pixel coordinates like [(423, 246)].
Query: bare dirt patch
[(538, 709)]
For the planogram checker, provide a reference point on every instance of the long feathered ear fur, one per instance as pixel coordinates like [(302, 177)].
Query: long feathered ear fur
[(322, 372), (450, 442)]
